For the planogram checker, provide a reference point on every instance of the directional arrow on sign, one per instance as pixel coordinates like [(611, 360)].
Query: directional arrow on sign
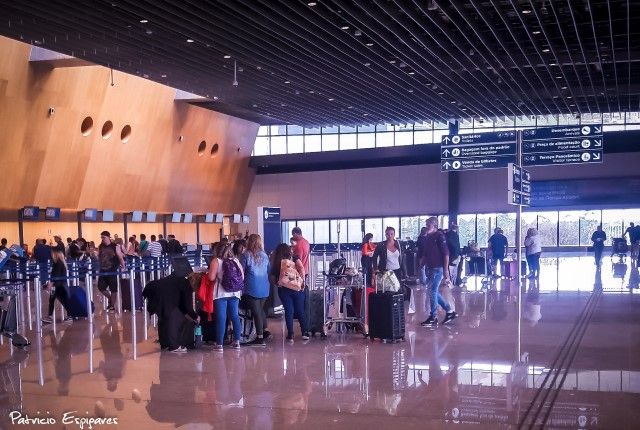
[(446, 165), (446, 153), (598, 130), (596, 156), (597, 143), (446, 139)]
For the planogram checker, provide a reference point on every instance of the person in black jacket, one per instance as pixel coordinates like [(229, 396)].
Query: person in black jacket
[(388, 254), (164, 243), (57, 287), (174, 247), (453, 243), (171, 299)]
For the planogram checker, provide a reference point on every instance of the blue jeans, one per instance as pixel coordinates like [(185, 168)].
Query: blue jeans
[(423, 275), (293, 303), (435, 276), (223, 307)]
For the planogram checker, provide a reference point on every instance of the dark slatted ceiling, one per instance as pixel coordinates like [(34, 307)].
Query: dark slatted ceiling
[(358, 62)]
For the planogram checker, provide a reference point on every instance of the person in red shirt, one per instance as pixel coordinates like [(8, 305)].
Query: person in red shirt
[(301, 249)]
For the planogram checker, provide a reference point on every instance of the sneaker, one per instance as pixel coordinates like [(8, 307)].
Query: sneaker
[(450, 317), (235, 344), (266, 335), (217, 348), (290, 339), (179, 349), (430, 322), (256, 342), (305, 336)]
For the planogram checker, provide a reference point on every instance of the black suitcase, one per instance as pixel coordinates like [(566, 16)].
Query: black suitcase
[(126, 294), (386, 316), (313, 303), (476, 266), (208, 327)]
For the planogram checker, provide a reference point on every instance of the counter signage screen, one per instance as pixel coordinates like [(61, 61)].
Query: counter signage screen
[(52, 214), (91, 214), (136, 216), (237, 218), (151, 217), (30, 212), (219, 218), (176, 217), (208, 218), (107, 215), (188, 217)]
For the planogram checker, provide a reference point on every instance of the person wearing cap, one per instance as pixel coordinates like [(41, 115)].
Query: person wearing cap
[(109, 259)]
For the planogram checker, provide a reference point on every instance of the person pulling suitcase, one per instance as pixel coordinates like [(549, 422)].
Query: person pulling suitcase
[(436, 260)]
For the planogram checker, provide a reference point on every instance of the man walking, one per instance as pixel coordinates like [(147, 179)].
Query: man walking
[(598, 238), (301, 249), (436, 262), (499, 244), (110, 258)]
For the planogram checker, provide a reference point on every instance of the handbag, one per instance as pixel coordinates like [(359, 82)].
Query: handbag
[(205, 295), (289, 276), (388, 281)]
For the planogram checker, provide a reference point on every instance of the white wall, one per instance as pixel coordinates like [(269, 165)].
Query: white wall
[(407, 190)]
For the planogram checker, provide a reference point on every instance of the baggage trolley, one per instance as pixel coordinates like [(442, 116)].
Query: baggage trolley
[(619, 248)]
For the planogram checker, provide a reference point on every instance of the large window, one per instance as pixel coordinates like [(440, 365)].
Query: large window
[(392, 222), (569, 228), (321, 231), (342, 238), (466, 228), (277, 139), (486, 224), (410, 227), (374, 226), (612, 224), (507, 222), (589, 222), (354, 227), (548, 228)]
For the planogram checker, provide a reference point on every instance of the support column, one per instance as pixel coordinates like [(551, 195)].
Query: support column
[(453, 201)]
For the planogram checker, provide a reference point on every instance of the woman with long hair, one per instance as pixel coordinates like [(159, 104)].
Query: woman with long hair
[(368, 248), (534, 249), (256, 285), (290, 288), (57, 287), (225, 302), (388, 254)]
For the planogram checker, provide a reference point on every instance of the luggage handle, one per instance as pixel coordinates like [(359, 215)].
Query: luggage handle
[(375, 281)]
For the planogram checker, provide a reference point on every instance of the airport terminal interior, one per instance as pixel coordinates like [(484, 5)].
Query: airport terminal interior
[(331, 214)]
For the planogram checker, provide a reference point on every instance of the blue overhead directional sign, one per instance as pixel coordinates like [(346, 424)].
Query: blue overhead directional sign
[(475, 163), (562, 145), (551, 158), (478, 151)]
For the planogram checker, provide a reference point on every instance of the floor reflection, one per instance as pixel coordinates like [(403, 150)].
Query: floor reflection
[(484, 369)]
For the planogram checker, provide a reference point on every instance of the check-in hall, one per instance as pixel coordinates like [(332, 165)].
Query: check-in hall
[(332, 214)]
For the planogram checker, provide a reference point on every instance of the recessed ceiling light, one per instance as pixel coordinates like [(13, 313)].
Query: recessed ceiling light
[(357, 33), (227, 57), (453, 102), (215, 97), (312, 4), (344, 27), (367, 64), (572, 104), (144, 21), (563, 88), (412, 72), (365, 114), (546, 50), (369, 43), (553, 64), (392, 61), (163, 76), (189, 40), (349, 107), (536, 31), (311, 92), (331, 100), (440, 93), (254, 105), (287, 82), (558, 77), (569, 97), (410, 90), (526, 11)]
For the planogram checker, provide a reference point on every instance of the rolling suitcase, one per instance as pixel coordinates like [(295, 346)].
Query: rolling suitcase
[(126, 294), (510, 269), (476, 266), (77, 304), (386, 316), (315, 314)]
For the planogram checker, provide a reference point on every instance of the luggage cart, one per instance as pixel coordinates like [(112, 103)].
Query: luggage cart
[(339, 297), (346, 376), (10, 290), (619, 248)]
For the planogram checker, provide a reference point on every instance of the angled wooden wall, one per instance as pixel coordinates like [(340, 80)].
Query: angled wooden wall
[(46, 161)]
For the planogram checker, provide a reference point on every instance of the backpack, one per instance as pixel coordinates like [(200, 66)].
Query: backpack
[(232, 278), (289, 276)]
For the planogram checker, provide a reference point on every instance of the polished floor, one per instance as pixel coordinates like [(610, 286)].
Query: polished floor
[(569, 357)]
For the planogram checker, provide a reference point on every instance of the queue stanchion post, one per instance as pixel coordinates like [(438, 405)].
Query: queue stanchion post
[(143, 275), (21, 294), (38, 296), (29, 313), (89, 290), (119, 291), (132, 291)]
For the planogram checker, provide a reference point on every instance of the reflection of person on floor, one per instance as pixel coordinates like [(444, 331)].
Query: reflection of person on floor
[(532, 303), (634, 277), (258, 389), (441, 389), (292, 400), (171, 299), (598, 238), (114, 361)]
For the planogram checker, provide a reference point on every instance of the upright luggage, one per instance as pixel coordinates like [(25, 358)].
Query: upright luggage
[(314, 303), (510, 268), (208, 327), (386, 316), (77, 304), (476, 266), (125, 284)]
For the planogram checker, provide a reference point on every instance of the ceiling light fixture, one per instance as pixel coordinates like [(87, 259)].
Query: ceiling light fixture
[(144, 21), (546, 50), (367, 64), (369, 44), (331, 100), (526, 11), (189, 40), (536, 31), (412, 72), (215, 97), (163, 76), (311, 4), (287, 82), (344, 27), (563, 88), (226, 57), (569, 97), (440, 93), (357, 33)]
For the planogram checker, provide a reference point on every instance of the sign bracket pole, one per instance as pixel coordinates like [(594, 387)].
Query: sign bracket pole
[(519, 248)]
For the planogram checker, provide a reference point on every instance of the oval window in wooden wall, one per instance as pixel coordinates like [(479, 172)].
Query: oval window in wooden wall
[(87, 126), (125, 134), (214, 150), (107, 128), (202, 147)]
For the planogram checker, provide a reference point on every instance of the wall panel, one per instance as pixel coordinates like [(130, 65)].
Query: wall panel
[(209, 233), (91, 230), (184, 232), (52, 164)]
